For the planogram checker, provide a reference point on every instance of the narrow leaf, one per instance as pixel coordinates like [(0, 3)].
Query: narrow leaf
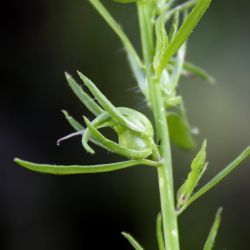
[(146, 14), (218, 178), (192, 69), (132, 241), (174, 26), (83, 97), (159, 232), (178, 66), (213, 231), (139, 75), (198, 167), (183, 33), (78, 169), (116, 27)]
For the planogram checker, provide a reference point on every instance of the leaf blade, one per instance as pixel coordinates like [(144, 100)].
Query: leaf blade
[(115, 27), (79, 169), (199, 72), (213, 231), (218, 178), (198, 166), (183, 33), (134, 243)]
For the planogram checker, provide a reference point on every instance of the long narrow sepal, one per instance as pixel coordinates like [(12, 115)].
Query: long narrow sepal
[(107, 105), (79, 169), (72, 121), (83, 96)]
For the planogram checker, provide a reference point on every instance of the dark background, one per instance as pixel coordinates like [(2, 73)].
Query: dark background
[(39, 41)]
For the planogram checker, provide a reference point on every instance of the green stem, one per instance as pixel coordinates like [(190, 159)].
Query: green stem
[(170, 226), (169, 217)]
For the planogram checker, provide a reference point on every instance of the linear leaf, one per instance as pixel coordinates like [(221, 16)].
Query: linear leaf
[(198, 167), (116, 28), (139, 75), (83, 97), (198, 71), (178, 66), (174, 26), (213, 231), (146, 14), (218, 178), (79, 169), (183, 33), (159, 232), (132, 241)]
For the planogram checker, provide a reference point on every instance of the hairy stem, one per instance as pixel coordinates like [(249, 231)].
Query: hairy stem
[(165, 176)]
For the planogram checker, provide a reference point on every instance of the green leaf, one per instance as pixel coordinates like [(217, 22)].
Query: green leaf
[(116, 28), (198, 167), (83, 97), (139, 75), (146, 14), (218, 178), (178, 66), (174, 26), (213, 231), (132, 241), (179, 131), (78, 169), (159, 232), (183, 33), (197, 71)]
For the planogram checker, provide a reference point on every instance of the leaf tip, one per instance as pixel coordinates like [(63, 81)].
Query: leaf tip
[(17, 160), (67, 75)]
